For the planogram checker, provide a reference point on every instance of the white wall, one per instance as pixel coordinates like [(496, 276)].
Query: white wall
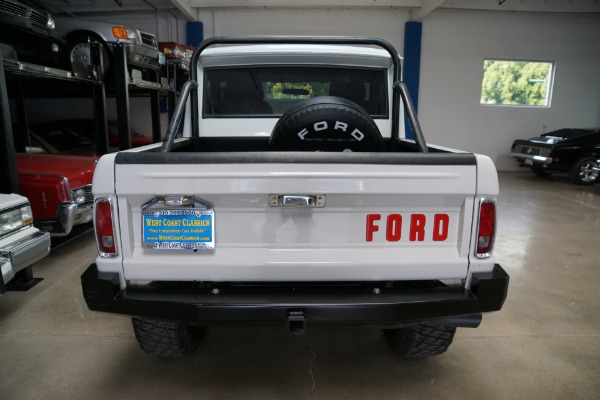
[(453, 48), (387, 24)]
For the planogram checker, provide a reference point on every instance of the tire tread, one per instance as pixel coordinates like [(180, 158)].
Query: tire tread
[(164, 338), (419, 341)]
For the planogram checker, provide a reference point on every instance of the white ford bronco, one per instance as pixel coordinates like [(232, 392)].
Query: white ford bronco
[(293, 197)]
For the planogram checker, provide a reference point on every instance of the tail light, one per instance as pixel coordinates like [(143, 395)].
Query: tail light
[(486, 229), (103, 224)]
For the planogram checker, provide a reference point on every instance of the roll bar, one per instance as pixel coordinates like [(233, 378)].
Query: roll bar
[(399, 88)]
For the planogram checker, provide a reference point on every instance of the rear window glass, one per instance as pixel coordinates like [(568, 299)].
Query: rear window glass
[(270, 91)]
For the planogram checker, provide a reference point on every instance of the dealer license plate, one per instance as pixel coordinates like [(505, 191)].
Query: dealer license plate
[(178, 229)]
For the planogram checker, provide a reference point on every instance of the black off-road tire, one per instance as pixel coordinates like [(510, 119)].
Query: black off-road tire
[(581, 172), (165, 338), (326, 123), (419, 341)]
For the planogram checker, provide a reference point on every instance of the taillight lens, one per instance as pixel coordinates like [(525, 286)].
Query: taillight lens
[(486, 229), (105, 235)]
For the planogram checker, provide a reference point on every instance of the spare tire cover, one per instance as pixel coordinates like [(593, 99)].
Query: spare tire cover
[(326, 123)]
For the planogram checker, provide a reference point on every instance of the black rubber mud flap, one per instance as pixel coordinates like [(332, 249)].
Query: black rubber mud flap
[(326, 123)]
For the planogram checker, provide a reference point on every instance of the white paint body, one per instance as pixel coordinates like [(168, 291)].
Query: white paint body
[(257, 242), (21, 247)]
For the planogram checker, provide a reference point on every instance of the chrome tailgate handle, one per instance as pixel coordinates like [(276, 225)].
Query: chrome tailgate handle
[(296, 200)]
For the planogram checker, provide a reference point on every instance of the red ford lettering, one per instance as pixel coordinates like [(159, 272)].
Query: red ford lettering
[(393, 231), (440, 227), (419, 227), (371, 227)]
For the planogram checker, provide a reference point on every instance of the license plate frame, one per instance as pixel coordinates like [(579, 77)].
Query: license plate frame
[(165, 227)]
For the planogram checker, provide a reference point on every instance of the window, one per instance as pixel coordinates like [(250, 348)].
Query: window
[(517, 83), (270, 91)]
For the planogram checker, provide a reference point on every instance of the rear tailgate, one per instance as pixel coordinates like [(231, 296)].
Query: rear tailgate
[(384, 217)]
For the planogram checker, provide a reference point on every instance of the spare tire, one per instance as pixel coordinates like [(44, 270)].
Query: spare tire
[(326, 123)]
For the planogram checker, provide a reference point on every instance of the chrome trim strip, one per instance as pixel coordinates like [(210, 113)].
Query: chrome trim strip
[(27, 250), (112, 213), (538, 159)]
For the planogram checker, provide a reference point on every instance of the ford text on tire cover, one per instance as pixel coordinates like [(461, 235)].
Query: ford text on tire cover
[(294, 197)]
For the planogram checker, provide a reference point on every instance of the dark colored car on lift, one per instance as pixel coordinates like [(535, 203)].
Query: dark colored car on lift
[(575, 151), (29, 29)]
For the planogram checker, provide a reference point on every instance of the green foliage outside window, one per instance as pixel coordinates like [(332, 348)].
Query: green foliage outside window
[(296, 90), (522, 83)]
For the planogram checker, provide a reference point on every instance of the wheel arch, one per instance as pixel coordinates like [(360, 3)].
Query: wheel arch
[(81, 31)]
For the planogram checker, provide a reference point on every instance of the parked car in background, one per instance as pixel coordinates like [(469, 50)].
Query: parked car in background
[(140, 46), (178, 54), (59, 188), (21, 244), (137, 139), (58, 138), (30, 30), (575, 151), (76, 136), (87, 128), (55, 174)]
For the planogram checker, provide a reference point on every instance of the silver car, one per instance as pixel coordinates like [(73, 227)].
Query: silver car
[(141, 47), (21, 244)]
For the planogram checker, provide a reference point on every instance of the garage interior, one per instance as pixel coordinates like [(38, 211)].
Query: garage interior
[(545, 341)]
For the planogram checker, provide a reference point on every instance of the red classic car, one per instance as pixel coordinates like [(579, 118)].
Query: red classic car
[(70, 129), (59, 188), (178, 54)]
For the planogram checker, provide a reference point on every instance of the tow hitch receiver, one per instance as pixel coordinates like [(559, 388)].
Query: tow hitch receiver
[(296, 323)]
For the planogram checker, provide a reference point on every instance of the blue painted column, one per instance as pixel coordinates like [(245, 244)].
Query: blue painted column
[(194, 33), (412, 65)]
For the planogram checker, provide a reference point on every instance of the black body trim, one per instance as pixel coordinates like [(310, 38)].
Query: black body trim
[(286, 157), (273, 303)]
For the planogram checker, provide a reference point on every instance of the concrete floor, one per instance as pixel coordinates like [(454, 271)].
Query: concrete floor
[(544, 344)]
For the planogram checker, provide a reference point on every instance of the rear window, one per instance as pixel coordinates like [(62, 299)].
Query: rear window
[(270, 91)]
